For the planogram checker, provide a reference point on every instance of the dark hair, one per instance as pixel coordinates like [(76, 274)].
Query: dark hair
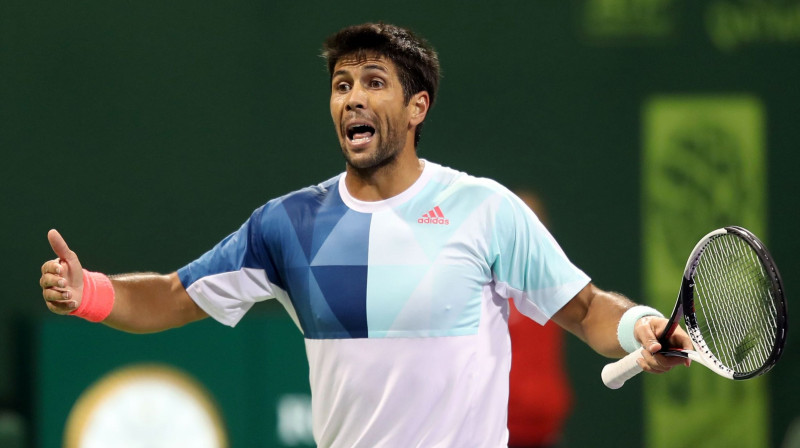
[(416, 61)]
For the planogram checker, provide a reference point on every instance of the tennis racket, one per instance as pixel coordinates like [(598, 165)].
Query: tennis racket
[(732, 302)]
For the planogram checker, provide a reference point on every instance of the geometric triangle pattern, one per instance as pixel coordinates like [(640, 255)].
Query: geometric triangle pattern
[(328, 275), (416, 265)]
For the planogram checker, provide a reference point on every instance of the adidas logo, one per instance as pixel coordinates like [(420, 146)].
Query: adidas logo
[(434, 216)]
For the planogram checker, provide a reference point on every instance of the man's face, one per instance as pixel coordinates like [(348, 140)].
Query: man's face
[(369, 111)]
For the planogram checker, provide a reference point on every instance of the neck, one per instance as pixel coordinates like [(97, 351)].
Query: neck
[(384, 181)]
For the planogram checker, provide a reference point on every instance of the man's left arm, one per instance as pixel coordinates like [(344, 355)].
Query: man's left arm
[(594, 315)]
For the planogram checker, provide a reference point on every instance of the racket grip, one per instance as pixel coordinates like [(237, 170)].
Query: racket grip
[(616, 373)]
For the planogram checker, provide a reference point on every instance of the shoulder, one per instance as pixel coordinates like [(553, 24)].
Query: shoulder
[(280, 221), (312, 196), (311, 193), (467, 185)]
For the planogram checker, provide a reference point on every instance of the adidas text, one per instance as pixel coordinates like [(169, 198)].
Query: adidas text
[(444, 221)]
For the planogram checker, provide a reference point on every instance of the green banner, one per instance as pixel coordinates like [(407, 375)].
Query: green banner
[(200, 385), (703, 168)]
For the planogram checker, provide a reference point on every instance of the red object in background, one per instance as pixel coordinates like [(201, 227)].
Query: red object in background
[(540, 396)]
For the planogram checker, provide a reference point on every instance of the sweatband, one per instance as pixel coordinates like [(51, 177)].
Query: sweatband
[(626, 323), (98, 297)]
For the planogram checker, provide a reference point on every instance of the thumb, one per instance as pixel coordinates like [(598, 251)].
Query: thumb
[(60, 247), (647, 334), (652, 345)]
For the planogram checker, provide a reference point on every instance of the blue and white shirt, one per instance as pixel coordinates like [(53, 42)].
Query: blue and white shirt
[(402, 302)]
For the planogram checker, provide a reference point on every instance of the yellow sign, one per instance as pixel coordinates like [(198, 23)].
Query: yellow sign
[(703, 168), (734, 24), (621, 20)]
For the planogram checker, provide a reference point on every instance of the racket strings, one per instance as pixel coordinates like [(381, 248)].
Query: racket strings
[(745, 259), (745, 334), (734, 304)]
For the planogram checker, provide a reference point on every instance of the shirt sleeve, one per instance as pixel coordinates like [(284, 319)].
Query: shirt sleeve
[(228, 279), (529, 265)]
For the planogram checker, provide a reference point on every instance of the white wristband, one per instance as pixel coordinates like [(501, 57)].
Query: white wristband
[(626, 323)]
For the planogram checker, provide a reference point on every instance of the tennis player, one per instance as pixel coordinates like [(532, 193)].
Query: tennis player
[(397, 271)]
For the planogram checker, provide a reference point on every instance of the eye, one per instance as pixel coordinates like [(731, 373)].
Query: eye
[(341, 87), (376, 83)]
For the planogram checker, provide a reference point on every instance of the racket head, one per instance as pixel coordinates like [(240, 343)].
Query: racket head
[(733, 304)]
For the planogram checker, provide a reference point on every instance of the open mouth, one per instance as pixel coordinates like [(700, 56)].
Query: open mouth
[(358, 133)]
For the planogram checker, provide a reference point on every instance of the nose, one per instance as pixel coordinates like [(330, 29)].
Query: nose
[(357, 99)]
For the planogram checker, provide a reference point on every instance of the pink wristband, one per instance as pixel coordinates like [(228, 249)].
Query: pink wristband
[(98, 297)]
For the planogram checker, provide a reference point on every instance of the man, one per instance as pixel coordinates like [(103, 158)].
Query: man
[(398, 272)]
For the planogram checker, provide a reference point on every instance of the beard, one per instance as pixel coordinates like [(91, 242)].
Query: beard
[(389, 147)]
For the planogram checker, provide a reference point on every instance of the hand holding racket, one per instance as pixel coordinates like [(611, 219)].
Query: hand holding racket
[(733, 305)]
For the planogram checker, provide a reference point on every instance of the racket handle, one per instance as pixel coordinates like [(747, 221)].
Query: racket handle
[(616, 373)]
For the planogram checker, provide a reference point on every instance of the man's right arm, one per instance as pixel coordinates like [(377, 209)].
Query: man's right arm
[(143, 303)]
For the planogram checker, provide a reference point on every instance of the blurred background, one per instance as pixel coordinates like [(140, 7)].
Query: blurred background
[(147, 131)]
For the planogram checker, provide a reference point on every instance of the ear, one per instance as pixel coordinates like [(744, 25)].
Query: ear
[(418, 107)]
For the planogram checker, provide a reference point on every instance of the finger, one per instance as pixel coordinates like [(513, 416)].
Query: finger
[(681, 339), (62, 307), (56, 294), (59, 246), (51, 267), (51, 280), (670, 361), (654, 363), (646, 330), (652, 344)]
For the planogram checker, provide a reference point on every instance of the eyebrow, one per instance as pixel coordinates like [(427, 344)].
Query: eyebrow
[(378, 67)]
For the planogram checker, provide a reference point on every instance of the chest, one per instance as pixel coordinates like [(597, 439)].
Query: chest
[(390, 274)]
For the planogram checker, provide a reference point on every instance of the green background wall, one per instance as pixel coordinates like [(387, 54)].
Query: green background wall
[(146, 131)]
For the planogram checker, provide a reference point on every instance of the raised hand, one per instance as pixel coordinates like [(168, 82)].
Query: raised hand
[(62, 278)]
